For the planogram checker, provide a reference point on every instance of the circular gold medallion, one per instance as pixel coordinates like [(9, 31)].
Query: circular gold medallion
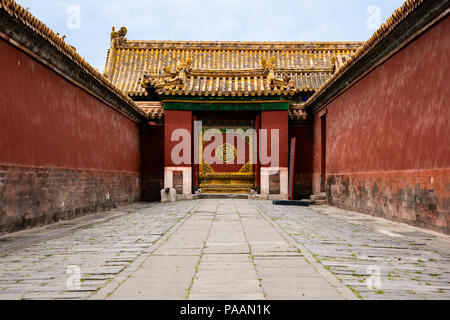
[(226, 152)]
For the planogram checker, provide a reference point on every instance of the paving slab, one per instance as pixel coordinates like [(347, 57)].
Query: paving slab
[(226, 249), (37, 263), (359, 249), (236, 247)]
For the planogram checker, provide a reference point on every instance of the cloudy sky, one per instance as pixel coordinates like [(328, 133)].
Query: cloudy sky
[(87, 24)]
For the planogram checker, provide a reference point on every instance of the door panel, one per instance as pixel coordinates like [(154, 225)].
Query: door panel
[(226, 159)]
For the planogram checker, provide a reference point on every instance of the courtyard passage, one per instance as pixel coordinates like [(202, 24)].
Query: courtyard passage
[(225, 249)]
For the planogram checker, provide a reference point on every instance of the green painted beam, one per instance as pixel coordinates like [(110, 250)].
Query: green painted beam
[(205, 106)]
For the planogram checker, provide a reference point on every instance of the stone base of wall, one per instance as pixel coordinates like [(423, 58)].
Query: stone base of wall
[(178, 181), (274, 183), (31, 196), (152, 183), (419, 198), (302, 186)]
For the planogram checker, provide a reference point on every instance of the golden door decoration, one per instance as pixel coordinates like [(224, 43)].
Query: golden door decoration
[(228, 177)]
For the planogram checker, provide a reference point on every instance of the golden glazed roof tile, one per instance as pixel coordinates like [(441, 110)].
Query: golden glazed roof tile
[(222, 68)]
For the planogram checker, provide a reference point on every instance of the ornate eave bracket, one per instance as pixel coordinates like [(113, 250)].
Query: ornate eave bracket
[(297, 112)]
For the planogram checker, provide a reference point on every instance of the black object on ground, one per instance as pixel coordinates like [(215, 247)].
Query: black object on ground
[(301, 203)]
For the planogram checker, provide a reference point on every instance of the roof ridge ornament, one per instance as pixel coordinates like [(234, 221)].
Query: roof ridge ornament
[(339, 60), (268, 69), (169, 80), (118, 37)]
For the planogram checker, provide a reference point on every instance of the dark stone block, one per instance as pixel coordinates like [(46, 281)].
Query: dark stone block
[(274, 183), (178, 181)]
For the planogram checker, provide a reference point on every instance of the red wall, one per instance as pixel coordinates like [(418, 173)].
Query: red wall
[(387, 137), (47, 121), (317, 151), (303, 160), (277, 120), (63, 151), (173, 120)]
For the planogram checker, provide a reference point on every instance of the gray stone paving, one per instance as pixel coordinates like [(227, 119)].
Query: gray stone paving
[(412, 264), (40, 270), (226, 249)]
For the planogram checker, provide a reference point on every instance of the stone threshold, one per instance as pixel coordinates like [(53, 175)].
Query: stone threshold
[(181, 197)]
